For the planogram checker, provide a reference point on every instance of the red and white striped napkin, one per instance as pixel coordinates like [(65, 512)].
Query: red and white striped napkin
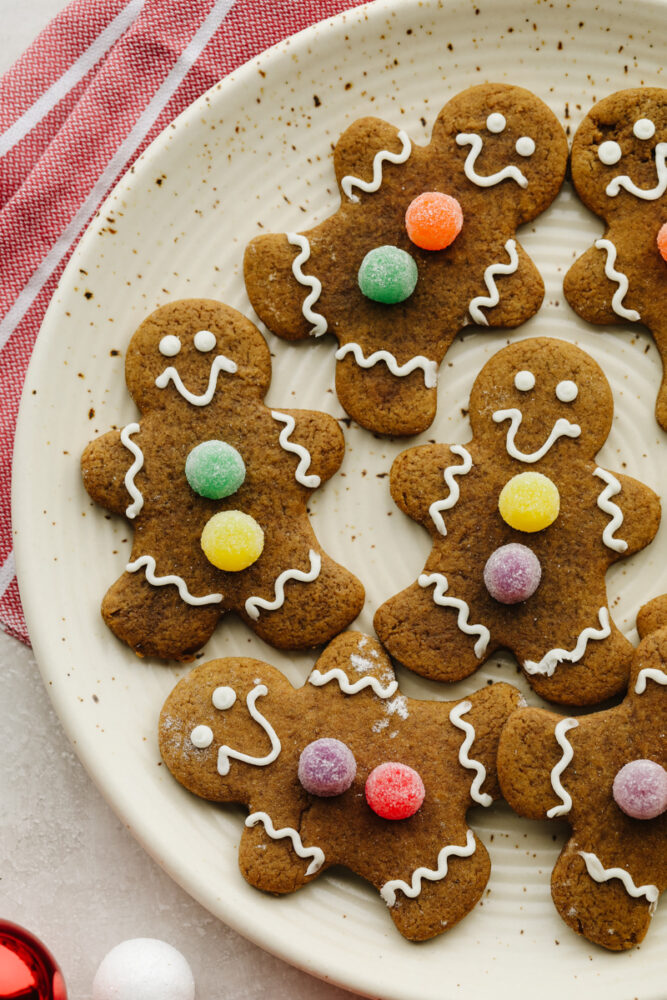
[(76, 110)]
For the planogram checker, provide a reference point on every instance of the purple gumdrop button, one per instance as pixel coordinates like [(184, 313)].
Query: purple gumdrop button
[(327, 767), (640, 789), (512, 573)]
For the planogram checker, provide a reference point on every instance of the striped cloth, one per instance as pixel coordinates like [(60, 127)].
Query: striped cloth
[(76, 110)]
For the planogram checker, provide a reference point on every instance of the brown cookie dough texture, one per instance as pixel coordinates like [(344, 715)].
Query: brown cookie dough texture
[(606, 882), (430, 869), (619, 172), (388, 355), (446, 624), (170, 598)]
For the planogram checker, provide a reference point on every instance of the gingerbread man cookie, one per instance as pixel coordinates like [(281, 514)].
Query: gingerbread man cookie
[(216, 486), (345, 770), (424, 242), (524, 526), (619, 168), (605, 775)]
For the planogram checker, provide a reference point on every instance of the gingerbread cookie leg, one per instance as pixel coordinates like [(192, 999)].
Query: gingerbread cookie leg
[(384, 394)]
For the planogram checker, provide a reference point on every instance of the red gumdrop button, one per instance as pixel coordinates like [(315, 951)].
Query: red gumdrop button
[(27, 970), (662, 241), (394, 791), (433, 220)]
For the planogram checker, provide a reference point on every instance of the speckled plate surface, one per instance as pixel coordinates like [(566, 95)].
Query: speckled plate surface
[(254, 155)]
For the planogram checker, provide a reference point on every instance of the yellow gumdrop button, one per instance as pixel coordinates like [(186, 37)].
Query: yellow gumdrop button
[(529, 502), (232, 540)]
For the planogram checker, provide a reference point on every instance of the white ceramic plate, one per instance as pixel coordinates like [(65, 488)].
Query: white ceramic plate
[(254, 155)]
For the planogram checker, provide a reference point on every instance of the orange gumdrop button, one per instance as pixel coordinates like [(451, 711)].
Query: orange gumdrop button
[(433, 220), (662, 241)]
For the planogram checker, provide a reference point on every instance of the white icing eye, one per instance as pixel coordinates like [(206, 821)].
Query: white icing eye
[(567, 391), (644, 128), (496, 122), (609, 153), (205, 341), (223, 697), (524, 381), (169, 346), (525, 146), (201, 737)]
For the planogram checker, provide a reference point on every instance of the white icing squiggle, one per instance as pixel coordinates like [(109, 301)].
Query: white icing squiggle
[(566, 799), (318, 679), (430, 368), (652, 674), (220, 364), (414, 887), (620, 279), (320, 325), (441, 586), (316, 853), (475, 143), (253, 604), (130, 485), (562, 428), (225, 753), (606, 504), (177, 581), (350, 181), (450, 472), (550, 660), (600, 874), (493, 298), (464, 759), (312, 482), (648, 194)]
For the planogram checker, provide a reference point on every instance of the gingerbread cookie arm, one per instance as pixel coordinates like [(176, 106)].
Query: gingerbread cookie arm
[(364, 157), (273, 856), (109, 465), (315, 439), (426, 482), (633, 510), (482, 717), (281, 288), (512, 290), (590, 292)]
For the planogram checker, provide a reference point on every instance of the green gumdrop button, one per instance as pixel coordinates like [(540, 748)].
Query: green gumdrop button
[(387, 274), (214, 470)]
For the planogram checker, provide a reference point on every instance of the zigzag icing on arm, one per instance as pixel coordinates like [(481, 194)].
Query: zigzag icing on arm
[(441, 586), (566, 799), (648, 194), (620, 279), (493, 298), (350, 181), (316, 853), (312, 482), (130, 485), (414, 887), (605, 504), (177, 581), (318, 679), (550, 660), (600, 874), (488, 180), (219, 364), (562, 428), (225, 753), (430, 368), (652, 674), (464, 759), (253, 604), (450, 472), (320, 325)]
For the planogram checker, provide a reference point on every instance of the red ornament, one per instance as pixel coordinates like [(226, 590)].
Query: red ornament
[(394, 791), (27, 970)]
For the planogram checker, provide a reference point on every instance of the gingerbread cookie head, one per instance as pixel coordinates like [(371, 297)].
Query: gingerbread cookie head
[(216, 485), (605, 774), (423, 243), (345, 770)]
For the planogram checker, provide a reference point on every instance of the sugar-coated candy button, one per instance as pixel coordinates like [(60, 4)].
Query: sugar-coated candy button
[(388, 275), (394, 791), (529, 502), (512, 573), (326, 767), (433, 220), (215, 469), (662, 241), (232, 540), (144, 969), (640, 789)]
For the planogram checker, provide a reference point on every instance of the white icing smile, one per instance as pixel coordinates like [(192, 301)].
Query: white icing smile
[(562, 428), (495, 123), (219, 364), (608, 156)]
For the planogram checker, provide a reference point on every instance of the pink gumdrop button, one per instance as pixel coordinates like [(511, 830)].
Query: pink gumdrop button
[(394, 791), (640, 789), (327, 767), (662, 241), (512, 573)]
